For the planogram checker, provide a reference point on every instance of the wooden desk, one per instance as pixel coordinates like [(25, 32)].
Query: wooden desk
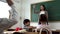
[(53, 32), (11, 32)]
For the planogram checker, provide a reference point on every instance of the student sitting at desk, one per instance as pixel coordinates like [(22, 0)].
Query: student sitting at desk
[(27, 26), (43, 21)]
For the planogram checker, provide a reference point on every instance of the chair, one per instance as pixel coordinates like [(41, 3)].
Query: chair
[(44, 28), (48, 31)]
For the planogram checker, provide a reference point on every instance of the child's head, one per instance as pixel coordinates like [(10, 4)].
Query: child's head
[(43, 18), (26, 22)]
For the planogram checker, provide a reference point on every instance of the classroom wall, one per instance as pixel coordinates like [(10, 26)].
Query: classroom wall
[(27, 12)]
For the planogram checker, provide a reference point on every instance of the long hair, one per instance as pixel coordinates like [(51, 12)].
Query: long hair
[(43, 6), (42, 18)]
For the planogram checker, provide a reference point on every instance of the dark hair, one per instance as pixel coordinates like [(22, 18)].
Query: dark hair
[(43, 6), (9, 2), (26, 21), (42, 18)]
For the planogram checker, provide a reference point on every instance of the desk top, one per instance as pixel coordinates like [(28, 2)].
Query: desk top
[(22, 31)]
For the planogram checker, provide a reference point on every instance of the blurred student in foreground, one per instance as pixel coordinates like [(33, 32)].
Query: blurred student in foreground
[(5, 21)]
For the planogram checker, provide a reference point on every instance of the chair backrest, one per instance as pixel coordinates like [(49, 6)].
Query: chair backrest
[(48, 31)]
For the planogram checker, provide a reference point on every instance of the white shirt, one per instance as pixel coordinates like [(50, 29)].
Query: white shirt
[(4, 10), (42, 12), (40, 26)]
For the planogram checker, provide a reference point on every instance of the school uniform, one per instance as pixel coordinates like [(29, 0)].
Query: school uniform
[(27, 28)]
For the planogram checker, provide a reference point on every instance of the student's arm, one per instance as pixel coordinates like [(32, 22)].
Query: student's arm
[(25, 27), (6, 23), (28, 27)]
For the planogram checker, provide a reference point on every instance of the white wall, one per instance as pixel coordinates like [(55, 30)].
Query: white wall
[(27, 13)]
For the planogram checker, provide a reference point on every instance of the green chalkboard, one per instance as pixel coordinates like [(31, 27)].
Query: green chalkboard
[(53, 8)]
